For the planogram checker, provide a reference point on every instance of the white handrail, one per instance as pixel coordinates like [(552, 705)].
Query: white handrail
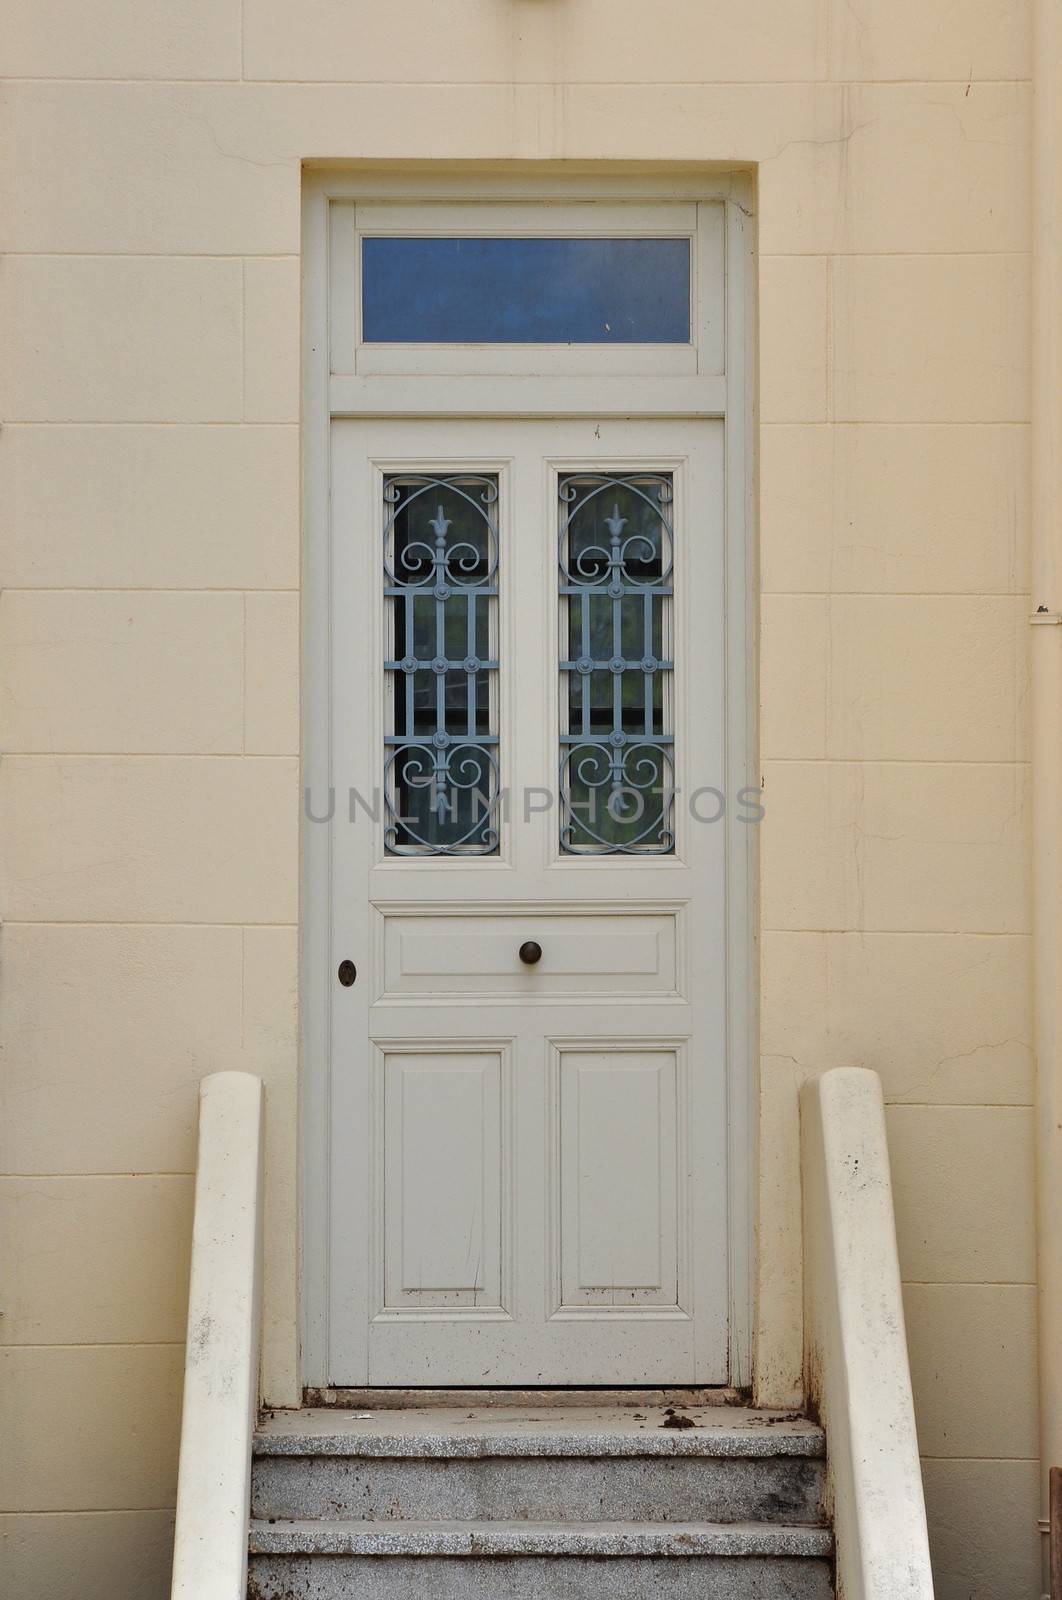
[(221, 1357), (856, 1347)]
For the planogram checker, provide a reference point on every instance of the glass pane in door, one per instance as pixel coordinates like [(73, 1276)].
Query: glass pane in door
[(441, 591), (617, 732)]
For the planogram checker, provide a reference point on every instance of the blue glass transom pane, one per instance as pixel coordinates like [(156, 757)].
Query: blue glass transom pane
[(525, 291)]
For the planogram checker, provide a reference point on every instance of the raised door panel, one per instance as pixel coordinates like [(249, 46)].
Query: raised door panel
[(475, 953), (444, 1176), (620, 1182)]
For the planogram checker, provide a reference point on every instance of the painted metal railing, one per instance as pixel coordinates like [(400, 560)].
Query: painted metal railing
[(222, 1353), (857, 1372)]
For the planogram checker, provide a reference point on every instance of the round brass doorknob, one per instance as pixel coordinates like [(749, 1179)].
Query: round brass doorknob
[(530, 952)]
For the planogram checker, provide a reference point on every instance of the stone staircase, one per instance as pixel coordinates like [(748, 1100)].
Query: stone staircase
[(710, 1503)]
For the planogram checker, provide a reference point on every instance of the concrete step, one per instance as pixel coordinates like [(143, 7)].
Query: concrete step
[(326, 1560), (498, 1488), (727, 1465)]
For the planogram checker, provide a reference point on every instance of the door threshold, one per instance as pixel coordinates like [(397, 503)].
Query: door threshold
[(411, 1399)]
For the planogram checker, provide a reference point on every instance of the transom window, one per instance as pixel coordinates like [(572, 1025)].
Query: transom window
[(528, 290)]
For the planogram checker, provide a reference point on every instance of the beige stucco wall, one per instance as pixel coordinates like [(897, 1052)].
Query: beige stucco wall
[(150, 447)]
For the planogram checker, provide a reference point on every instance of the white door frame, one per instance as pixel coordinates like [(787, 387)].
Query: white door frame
[(333, 387)]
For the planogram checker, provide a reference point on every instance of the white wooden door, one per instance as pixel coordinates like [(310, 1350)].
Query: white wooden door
[(528, 1156)]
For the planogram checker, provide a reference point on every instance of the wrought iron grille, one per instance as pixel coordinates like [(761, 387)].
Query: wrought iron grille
[(441, 742), (617, 729)]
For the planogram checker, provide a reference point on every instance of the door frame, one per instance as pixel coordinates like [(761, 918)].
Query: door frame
[(330, 389)]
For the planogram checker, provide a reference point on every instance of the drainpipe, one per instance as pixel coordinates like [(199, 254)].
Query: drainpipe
[(1046, 669)]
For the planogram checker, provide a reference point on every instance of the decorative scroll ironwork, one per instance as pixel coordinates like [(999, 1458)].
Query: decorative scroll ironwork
[(441, 584), (617, 741)]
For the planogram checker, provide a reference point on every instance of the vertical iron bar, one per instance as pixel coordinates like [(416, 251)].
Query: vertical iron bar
[(617, 677), (440, 677), (647, 650), (471, 677), (411, 677), (588, 677)]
